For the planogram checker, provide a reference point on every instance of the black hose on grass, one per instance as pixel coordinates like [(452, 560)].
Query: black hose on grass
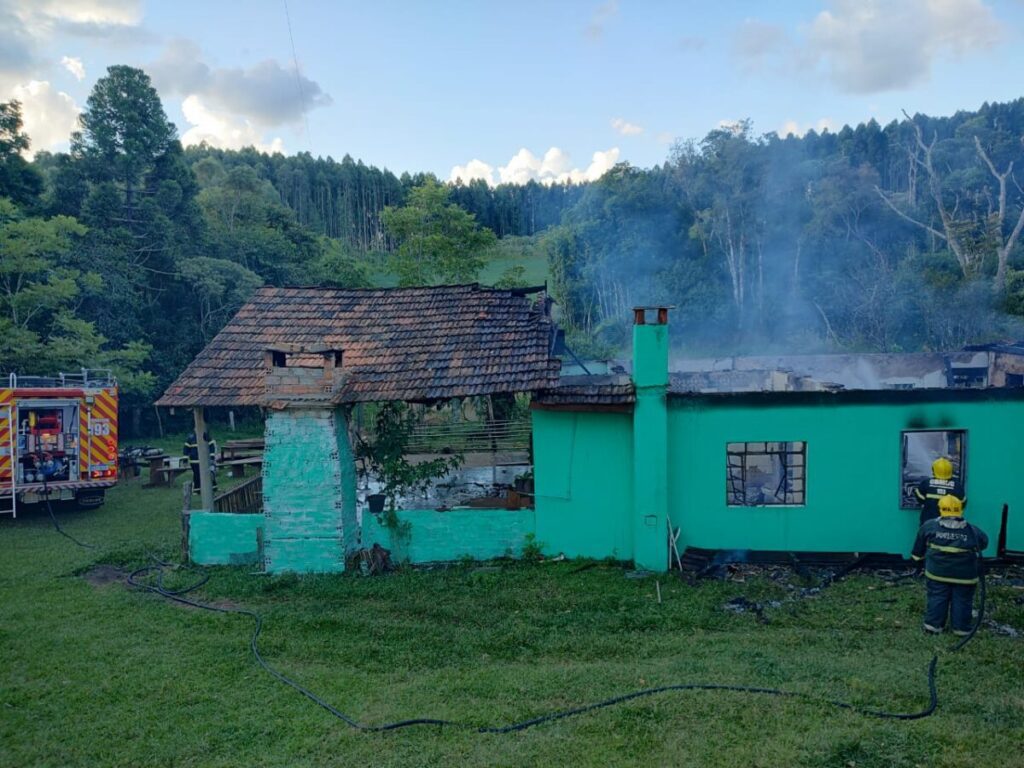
[(56, 525), (178, 596)]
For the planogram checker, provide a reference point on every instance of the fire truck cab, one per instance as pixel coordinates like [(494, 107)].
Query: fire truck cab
[(58, 439)]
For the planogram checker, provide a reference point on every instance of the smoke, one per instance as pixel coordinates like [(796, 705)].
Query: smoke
[(765, 245)]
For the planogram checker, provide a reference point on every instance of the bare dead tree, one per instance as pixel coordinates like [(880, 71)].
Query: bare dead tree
[(1005, 245), (950, 232), (954, 232)]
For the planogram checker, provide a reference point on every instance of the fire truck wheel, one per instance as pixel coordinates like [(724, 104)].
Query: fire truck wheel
[(90, 498)]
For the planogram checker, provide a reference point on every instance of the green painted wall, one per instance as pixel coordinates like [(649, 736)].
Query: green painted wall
[(435, 536), (853, 471), (308, 491), (221, 538), (583, 478)]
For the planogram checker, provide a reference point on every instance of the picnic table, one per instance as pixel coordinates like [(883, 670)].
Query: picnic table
[(163, 473), (240, 449), (236, 467)]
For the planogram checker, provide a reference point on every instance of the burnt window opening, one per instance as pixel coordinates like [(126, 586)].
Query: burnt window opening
[(1015, 379), (969, 378), (766, 474), (919, 448)]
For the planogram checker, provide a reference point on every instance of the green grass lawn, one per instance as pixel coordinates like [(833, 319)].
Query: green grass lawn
[(106, 676)]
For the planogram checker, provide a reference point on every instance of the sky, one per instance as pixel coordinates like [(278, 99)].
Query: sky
[(508, 91)]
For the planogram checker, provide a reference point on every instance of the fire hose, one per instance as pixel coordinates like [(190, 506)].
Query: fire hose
[(135, 580)]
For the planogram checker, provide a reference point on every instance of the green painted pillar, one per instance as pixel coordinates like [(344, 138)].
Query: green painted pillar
[(650, 442)]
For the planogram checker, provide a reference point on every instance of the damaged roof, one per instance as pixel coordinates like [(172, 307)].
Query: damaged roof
[(415, 344), (602, 389)]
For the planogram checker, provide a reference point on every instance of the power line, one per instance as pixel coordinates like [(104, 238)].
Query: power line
[(298, 77)]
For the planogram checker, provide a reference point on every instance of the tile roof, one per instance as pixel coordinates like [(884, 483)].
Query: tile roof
[(412, 344), (604, 389)]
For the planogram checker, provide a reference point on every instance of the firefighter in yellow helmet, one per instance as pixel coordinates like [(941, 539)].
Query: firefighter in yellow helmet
[(951, 549), (931, 490)]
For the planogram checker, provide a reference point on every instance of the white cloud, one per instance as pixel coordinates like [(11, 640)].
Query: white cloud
[(221, 130), (74, 66), (474, 169), (871, 46), (27, 27), (48, 116), (555, 166), (266, 93), (120, 12), (625, 128), (799, 130), (666, 137)]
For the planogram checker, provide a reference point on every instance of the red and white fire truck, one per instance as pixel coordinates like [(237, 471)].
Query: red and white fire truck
[(58, 439)]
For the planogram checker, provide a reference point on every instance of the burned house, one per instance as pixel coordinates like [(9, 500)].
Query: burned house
[(763, 455), (628, 466)]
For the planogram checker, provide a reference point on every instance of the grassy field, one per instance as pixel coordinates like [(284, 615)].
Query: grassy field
[(101, 675), (507, 254)]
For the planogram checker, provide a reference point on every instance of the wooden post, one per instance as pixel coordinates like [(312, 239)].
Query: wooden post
[(231, 420), (205, 478), (494, 444)]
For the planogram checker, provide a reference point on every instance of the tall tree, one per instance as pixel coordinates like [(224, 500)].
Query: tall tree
[(124, 130), (439, 242)]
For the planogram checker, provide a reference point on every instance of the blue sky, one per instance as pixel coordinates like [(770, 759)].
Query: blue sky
[(509, 91)]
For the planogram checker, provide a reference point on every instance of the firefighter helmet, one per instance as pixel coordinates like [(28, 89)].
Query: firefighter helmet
[(950, 506), (942, 468)]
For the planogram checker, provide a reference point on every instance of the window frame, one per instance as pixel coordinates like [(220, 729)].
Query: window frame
[(802, 452), (961, 476)]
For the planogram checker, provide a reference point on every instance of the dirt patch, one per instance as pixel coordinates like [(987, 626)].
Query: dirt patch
[(102, 575)]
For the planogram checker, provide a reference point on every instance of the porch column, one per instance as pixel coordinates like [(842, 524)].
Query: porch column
[(205, 478), (650, 440)]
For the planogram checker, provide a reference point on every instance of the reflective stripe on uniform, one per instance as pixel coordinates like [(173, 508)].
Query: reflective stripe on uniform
[(916, 557), (950, 579), (954, 550)]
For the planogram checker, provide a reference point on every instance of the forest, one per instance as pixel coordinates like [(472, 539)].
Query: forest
[(130, 252)]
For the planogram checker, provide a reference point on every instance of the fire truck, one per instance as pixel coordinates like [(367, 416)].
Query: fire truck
[(58, 439)]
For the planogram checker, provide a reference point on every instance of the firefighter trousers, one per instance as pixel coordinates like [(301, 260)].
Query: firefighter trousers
[(952, 600)]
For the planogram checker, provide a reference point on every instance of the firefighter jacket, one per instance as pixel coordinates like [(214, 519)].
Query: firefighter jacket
[(191, 448), (930, 491), (951, 548)]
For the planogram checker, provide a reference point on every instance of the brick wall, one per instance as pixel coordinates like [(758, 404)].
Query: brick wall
[(223, 538), (440, 536), (308, 491)]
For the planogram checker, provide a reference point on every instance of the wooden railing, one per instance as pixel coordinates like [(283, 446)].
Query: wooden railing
[(246, 498), (467, 437)]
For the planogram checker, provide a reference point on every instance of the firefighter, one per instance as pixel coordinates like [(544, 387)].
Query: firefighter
[(942, 483), (191, 450), (951, 549)]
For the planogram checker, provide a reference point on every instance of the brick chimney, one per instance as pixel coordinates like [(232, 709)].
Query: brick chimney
[(290, 371)]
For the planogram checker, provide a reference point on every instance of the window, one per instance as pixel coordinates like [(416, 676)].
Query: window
[(920, 449), (765, 474)]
